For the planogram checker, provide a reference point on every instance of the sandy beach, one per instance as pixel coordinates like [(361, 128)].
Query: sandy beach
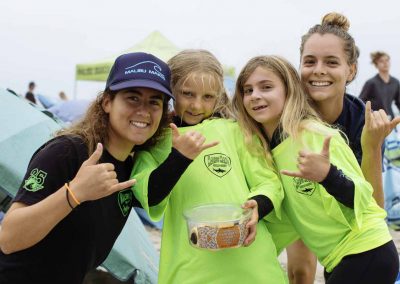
[(155, 236)]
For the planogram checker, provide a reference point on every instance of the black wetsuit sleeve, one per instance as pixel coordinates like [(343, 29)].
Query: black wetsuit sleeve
[(265, 205), (339, 186), (163, 179)]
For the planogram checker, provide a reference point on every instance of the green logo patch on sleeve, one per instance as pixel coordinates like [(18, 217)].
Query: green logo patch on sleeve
[(35, 181), (125, 201)]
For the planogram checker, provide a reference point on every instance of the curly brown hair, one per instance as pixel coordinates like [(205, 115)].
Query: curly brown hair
[(93, 127)]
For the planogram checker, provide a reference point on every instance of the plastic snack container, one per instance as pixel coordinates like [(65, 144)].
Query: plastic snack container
[(217, 226)]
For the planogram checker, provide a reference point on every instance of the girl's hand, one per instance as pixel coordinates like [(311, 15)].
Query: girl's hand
[(94, 181), (252, 224), (189, 144), (376, 128), (312, 166)]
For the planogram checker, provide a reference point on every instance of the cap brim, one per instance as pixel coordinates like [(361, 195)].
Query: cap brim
[(143, 84)]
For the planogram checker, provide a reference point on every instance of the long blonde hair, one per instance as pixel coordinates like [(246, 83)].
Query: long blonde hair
[(93, 127), (297, 113), (191, 62)]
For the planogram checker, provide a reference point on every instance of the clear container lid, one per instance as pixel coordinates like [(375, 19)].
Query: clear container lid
[(216, 213)]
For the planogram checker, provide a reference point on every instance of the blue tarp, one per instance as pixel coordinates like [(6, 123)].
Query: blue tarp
[(23, 129)]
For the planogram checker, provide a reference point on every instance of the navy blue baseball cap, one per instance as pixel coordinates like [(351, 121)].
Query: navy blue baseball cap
[(140, 69)]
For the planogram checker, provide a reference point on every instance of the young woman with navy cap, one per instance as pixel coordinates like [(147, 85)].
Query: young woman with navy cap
[(76, 197)]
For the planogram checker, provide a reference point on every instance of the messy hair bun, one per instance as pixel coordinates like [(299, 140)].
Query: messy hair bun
[(336, 19)]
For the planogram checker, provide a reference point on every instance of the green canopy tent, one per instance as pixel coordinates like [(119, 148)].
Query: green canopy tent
[(155, 43)]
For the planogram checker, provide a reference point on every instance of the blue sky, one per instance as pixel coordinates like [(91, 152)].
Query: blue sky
[(43, 40)]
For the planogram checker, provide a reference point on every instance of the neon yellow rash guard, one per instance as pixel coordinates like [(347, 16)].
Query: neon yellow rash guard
[(328, 228), (224, 173)]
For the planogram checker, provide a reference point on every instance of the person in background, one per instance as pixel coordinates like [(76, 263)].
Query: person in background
[(327, 199), (63, 96), (30, 96), (382, 89)]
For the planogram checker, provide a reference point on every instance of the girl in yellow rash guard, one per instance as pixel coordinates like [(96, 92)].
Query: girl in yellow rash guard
[(197, 81), (327, 199)]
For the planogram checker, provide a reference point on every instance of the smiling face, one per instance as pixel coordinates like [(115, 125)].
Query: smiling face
[(264, 97), (324, 68), (134, 116), (196, 98)]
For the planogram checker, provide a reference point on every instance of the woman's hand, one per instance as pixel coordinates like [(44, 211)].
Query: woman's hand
[(376, 128), (312, 166), (189, 144), (94, 181), (252, 224)]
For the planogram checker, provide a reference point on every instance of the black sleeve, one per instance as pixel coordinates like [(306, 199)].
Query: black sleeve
[(265, 205), (30, 97), (397, 97), (366, 92), (163, 179), (53, 165), (339, 186)]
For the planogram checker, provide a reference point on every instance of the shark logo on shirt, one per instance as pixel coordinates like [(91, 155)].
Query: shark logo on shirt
[(125, 200), (304, 186), (219, 164), (35, 180)]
